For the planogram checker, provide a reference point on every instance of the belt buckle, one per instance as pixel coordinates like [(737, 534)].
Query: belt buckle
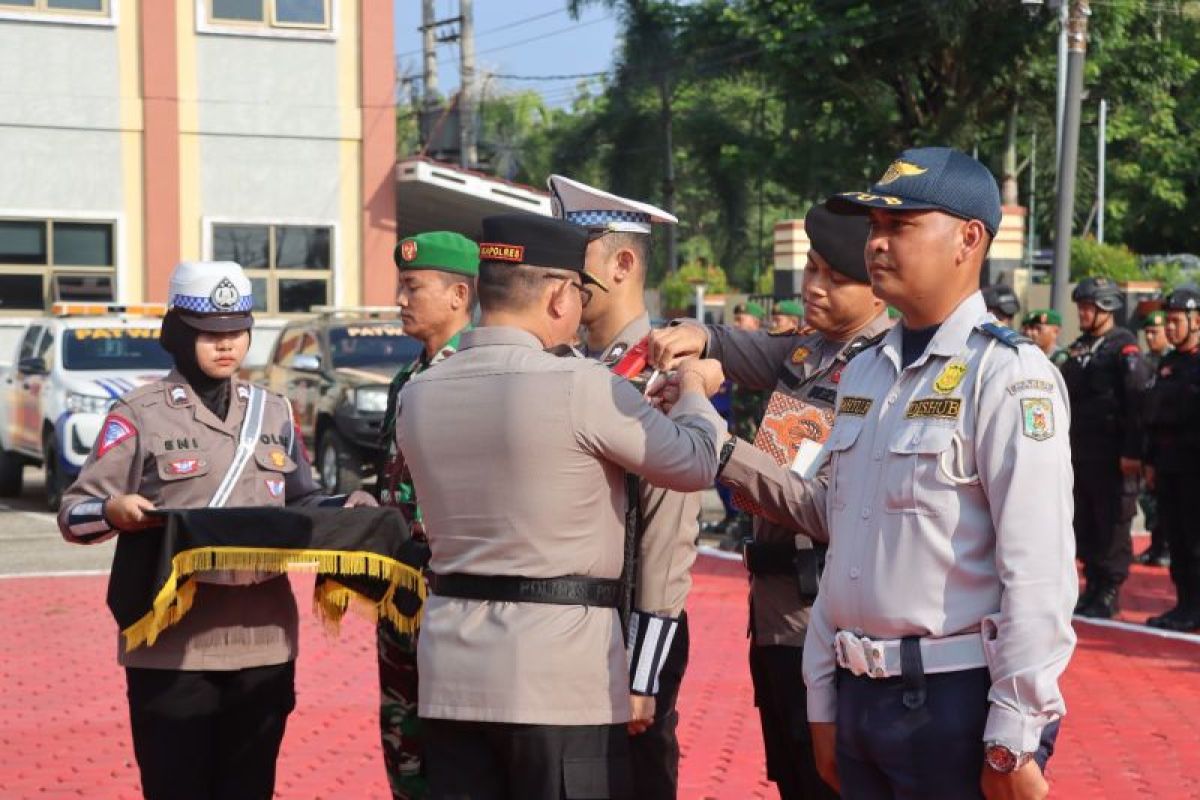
[(860, 655)]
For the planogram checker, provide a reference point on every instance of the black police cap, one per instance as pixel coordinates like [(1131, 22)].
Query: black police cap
[(1185, 298), (1102, 291), (999, 297), (839, 239), (536, 241)]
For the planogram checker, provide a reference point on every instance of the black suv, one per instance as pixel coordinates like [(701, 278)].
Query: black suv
[(336, 368)]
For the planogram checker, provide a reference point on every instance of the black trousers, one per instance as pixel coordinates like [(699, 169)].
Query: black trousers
[(782, 704), (655, 752), (209, 735), (505, 761), (886, 751), (1105, 503), (1178, 515)]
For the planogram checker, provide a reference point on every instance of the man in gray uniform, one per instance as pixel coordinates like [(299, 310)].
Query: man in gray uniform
[(943, 623), (519, 458), (784, 563), (668, 522)]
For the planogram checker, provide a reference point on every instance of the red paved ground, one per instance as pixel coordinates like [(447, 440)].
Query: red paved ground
[(1132, 731)]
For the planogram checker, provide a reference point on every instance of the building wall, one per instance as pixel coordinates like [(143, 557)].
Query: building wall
[(166, 123)]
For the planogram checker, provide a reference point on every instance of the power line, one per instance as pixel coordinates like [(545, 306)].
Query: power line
[(576, 76), (510, 25)]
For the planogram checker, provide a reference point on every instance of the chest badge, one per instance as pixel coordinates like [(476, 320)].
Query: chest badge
[(950, 376), (1037, 418), (178, 394), (184, 466), (800, 355), (278, 459), (243, 392), (275, 486), (836, 375)]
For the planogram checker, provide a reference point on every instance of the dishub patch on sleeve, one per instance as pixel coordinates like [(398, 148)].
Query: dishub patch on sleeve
[(491, 251), (855, 406), (115, 430)]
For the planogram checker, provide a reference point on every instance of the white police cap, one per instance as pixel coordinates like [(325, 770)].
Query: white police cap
[(585, 205), (211, 295)]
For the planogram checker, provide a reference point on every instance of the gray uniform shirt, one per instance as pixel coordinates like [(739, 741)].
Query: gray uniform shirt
[(801, 366), (948, 502), (519, 458), (670, 520)]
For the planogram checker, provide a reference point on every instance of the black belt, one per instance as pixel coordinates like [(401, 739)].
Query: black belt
[(572, 590), (782, 558)]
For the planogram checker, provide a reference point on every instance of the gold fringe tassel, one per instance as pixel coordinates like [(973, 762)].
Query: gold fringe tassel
[(330, 601)]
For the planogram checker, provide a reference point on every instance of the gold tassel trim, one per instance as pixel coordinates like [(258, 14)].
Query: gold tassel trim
[(331, 599)]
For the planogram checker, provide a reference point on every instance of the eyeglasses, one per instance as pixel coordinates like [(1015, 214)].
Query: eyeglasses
[(585, 294)]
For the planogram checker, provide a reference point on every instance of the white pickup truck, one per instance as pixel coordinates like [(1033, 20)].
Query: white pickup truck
[(66, 372)]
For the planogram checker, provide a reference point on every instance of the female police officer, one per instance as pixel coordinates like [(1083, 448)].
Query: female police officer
[(209, 697)]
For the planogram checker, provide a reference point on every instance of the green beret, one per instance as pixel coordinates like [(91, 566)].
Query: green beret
[(1158, 317), (789, 307), (1043, 316), (751, 308), (441, 250), (893, 312)]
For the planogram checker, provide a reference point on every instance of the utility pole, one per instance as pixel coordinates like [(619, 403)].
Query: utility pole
[(664, 96), (1101, 147), (429, 51), (468, 152), (1077, 24), (1061, 82), (1030, 244)]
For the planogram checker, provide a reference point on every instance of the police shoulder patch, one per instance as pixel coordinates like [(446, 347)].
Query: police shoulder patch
[(1037, 418), (1006, 335), (115, 430)]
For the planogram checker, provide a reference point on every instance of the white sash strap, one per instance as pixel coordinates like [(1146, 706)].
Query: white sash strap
[(251, 430)]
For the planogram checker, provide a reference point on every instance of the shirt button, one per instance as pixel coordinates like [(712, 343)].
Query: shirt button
[(878, 455), (854, 573), (866, 512), (858, 631), (891, 398)]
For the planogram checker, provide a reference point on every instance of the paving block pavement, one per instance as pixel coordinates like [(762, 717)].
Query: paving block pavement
[(1134, 702)]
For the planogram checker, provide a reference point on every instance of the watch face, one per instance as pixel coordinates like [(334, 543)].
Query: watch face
[(1001, 759)]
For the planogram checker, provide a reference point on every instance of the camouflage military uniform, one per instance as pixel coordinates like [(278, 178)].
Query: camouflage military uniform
[(398, 722)]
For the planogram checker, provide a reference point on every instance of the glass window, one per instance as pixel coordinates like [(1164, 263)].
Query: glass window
[(29, 343), (259, 287), (21, 293), (238, 10), (83, 244), (114, 348), (85, 288), (301, 247), (23, 242), (301, 295), (369, 345), (75, 5), (300, 12), (248, 245), (19, 3)]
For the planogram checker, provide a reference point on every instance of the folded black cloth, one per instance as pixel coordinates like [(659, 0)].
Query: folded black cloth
[(358, 553)]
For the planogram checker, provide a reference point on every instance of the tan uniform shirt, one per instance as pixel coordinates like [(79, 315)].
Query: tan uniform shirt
[(169, 448), (519, 458), (949, 506), (670, 520), (801, 366)]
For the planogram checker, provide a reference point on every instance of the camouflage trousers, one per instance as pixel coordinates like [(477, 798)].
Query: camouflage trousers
[(399, 726)]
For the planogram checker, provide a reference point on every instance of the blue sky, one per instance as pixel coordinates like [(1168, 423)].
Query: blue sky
[(529, 38)]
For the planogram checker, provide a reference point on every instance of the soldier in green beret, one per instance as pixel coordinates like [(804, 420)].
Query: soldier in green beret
[(436, 296), (1043, 325), (748, 316), (786, 317), (1158, 554)]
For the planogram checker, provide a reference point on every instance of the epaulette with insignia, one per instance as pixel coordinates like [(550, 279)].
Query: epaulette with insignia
[(1006, 335)]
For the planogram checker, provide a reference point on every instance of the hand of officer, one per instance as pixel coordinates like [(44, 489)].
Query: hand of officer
[(668, 346), (641, 713), (1148, 476), (126, 512), (700, 375), (1026, 783), (824, 741), (359, 498), (1130, 467)]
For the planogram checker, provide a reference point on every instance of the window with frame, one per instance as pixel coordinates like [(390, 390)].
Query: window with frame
[(43, 260), (289, 266), (97, 8), (288, 14)]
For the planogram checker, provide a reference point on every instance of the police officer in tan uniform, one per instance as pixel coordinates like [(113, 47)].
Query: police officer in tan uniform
[(783, 562), (209, 699), (615, 321), (519, 458)]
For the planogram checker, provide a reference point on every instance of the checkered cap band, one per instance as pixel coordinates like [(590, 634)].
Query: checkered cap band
[(204, 305), (598, 219)]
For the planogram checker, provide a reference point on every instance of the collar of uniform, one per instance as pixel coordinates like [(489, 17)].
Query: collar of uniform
[(951, 337), (499, 335), (637, 329)]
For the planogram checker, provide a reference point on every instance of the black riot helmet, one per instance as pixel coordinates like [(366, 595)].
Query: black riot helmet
[(1104, 292), (1001, 300), (1185, 298)]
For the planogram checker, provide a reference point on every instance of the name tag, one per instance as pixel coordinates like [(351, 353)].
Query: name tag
[(934, 408), (855, 406)]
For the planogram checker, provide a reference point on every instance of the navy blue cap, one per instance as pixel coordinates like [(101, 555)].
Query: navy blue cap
[(930, 178)]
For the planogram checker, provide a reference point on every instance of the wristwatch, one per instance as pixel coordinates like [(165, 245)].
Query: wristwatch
[(1000, 758), (726, 452)]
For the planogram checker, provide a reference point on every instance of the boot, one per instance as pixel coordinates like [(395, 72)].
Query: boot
[(1170, 619), (1104, 604), (1086, 597), (1156, 555)]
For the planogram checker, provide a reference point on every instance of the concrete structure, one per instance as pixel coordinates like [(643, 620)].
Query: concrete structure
[(432, 195), (138, 133)]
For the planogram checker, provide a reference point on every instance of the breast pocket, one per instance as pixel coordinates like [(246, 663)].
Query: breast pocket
[(179, 466), (913, 480), (274, 466), (843, 436)]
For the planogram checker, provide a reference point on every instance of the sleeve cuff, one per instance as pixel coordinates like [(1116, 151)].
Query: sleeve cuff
[(648, 643), (822, 704), (86, 522), (1019, 732)]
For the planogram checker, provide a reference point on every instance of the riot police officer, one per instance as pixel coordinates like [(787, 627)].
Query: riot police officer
[(1173, 455), (1106, 378), (1002, 301)]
